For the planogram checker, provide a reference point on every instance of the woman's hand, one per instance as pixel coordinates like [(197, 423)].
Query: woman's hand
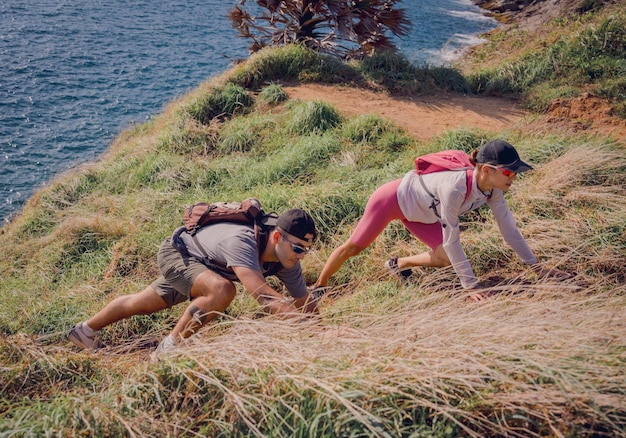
[(482, 295), (483, 291), (487, 289)]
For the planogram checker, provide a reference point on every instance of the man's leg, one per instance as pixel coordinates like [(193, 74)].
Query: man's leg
[(85, 334), (211, 295), (145, 302)]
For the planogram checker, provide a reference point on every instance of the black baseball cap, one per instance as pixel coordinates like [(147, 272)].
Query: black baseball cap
[(298, 223), (501, 153)]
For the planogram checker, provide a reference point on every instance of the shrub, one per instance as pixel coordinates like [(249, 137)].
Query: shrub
[(367, 128), (243, 134), (396, 73), (592, 57), (220, 103), (288, 63), (188, 136), (313, 117), (466, 140), (273, 94)]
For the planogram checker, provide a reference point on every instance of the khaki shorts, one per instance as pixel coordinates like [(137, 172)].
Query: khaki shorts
[(178, 272)]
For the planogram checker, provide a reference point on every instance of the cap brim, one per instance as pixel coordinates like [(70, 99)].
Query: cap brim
[(518, 167)]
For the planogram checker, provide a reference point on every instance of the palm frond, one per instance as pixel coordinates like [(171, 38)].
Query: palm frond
[(340, 28)]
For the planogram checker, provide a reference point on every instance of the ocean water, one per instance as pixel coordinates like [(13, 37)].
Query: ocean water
[(75, 74)]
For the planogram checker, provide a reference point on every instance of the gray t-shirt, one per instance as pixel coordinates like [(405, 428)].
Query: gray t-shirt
[(229, 245)]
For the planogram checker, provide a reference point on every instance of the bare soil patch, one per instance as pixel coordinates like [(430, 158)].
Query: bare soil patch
[(587, 113), (424, 116)]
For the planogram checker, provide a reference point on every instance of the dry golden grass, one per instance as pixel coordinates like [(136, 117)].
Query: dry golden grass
[(550, 353)]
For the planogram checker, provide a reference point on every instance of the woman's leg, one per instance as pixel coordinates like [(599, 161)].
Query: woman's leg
[(381, 208), (431, 235), (436, 258), (336, 260)]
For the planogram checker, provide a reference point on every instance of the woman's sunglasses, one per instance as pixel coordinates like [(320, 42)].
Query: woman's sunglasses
[(298, 249), (506, 172)]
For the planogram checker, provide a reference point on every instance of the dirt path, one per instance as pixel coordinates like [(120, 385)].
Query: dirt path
[(423, 117)]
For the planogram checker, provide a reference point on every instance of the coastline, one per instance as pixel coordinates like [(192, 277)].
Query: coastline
[(526, 12)]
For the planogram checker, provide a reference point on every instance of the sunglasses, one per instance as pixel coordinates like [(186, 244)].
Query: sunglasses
[(298, 249), (506, 172)]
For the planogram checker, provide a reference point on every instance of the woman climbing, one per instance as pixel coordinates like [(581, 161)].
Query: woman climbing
[(429, 206)]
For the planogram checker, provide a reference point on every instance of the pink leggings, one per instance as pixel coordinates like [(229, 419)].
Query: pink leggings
[(382, 208)]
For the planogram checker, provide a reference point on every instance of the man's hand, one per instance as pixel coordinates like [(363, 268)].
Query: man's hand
[(266, 296), (307, 304), (277, 305)]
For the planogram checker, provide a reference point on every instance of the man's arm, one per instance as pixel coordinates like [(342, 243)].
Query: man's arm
[(267, 297)]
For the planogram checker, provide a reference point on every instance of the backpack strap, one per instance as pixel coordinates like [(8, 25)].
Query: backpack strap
[(262, 233), (262, 226), (469, 177), (205, 256)]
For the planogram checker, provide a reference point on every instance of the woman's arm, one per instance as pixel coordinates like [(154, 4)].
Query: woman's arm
[(450, 208), (508, 227)]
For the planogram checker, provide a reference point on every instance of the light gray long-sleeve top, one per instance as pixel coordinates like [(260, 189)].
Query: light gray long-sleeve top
[(449, 188)]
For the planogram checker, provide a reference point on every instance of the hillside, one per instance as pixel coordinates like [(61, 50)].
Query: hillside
[(541, 357)]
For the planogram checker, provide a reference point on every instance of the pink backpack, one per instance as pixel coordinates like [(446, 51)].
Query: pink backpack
[(444, 161)]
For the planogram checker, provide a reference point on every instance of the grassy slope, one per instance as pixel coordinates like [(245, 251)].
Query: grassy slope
[(540, 358), (573, 54)]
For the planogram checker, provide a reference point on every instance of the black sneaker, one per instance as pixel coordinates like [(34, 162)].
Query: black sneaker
[(391, 266)]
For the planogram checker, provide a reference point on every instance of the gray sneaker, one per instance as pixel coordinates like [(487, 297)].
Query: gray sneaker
[(316, 293), (391, 266), (166, 346), (79, 336)]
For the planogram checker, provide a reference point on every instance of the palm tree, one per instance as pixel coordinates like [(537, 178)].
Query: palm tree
[(344, 28)]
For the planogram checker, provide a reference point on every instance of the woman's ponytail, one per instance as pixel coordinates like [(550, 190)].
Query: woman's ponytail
[(473, 156)]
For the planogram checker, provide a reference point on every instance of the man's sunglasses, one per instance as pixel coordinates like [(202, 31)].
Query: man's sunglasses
[(506, 172), (298, 249)]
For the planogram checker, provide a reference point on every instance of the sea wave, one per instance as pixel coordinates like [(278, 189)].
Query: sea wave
[(470, 15)]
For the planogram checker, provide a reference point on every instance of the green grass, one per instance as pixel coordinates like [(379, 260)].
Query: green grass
[(220, 104), (273, 94), (312, 117), (394, 72), (585, 52), (541, 358)]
